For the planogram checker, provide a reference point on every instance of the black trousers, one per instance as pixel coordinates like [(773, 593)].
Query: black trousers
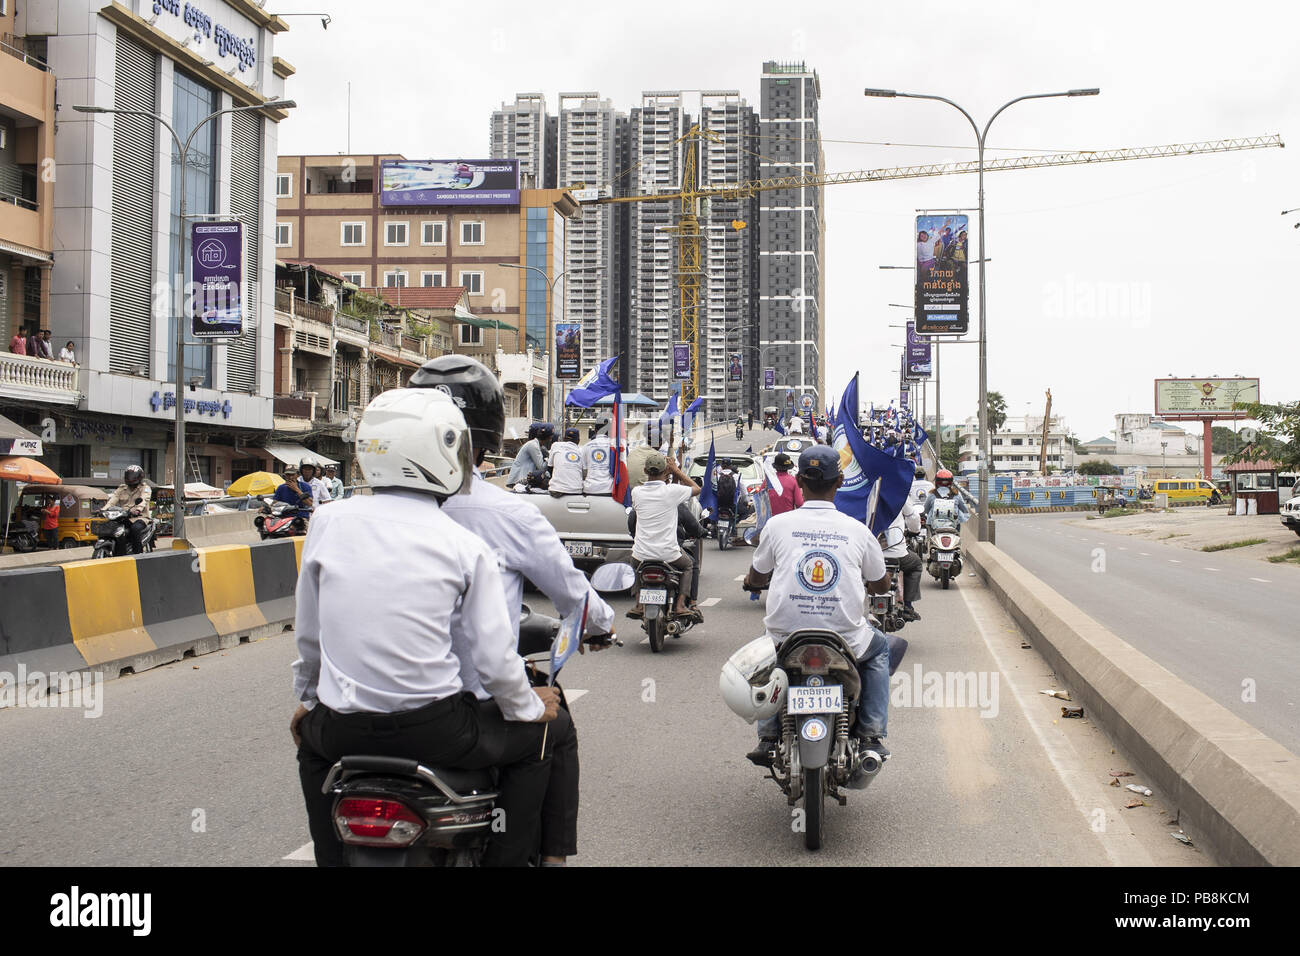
[(139, 531), (461, 732), (911, 565)]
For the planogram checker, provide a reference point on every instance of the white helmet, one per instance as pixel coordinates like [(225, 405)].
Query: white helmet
[(415, 438), (751, 683)]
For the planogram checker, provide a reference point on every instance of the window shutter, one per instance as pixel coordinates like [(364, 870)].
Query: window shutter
[(245, 205), (131, 318)]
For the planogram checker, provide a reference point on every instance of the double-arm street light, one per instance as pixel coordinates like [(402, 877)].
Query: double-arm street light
[(981, 136), (550, 334), (178, 508)]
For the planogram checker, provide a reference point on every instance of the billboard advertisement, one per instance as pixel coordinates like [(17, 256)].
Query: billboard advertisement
[(449, 182), (735, 370), (216, 279), (918, 355), (769, 378), (1185, 399), (568, 350), (681, 360), (942, 289)]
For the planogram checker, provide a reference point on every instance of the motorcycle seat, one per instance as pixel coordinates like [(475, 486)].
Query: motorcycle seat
[(462, 781)]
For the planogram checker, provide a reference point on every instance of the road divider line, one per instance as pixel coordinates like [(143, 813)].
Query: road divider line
[(1209, 569), (572, 695), (305, 852), (709, 602), (1262, 580)]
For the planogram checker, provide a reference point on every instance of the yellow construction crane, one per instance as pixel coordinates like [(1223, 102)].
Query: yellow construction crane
[(687, 229)]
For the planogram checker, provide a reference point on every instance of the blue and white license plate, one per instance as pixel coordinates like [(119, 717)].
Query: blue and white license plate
[(579, 549), (945, 557), (654, 595), (815, 700)]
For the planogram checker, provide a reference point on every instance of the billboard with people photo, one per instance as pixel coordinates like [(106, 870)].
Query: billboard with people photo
[(942, 290)]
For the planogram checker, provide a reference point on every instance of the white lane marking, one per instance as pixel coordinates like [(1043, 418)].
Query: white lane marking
[(644, 640), (1262, 580), (1123, 549), (709, 602), (1144, 554), (739, 578), (305, 852), (1063, 757), (1174, 561), (572, 695), (1209, 569)]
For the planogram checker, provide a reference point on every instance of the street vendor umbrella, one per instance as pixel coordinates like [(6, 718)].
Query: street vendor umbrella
[(258, 483), (26, 470)]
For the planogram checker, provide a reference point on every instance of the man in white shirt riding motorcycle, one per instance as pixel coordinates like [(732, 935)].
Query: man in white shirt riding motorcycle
[(814, 562), (388, 623), (527, 548)]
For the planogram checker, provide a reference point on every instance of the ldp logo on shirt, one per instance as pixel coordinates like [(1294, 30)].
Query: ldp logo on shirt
[(598, 456), (572, 457), (818, 572)]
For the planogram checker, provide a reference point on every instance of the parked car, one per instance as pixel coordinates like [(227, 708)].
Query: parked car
[(1290, 512), (593, 528)]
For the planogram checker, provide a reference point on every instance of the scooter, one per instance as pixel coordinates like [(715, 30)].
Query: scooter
[(275, 520), (945, 542), (113, 531), (887, 608), (395, 811)]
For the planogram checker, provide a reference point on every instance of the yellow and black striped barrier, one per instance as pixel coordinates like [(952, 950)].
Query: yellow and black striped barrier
[(133, 613)]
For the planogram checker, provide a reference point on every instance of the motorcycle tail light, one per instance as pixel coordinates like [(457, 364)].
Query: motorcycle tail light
[(653, 576), (376, 821), (812, 659)]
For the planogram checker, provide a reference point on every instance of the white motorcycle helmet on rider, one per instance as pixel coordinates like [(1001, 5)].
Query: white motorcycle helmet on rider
[(415, 438), (751, 683)]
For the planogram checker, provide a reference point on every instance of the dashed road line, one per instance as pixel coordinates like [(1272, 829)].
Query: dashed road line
[(572, 695), (1262, 580), (1174, 561), (1209, 569), (305, 852), (1144, 554), (709, 602), (740, 577)]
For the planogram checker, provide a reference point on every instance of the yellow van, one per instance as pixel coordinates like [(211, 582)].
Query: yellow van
[(1185, 489), (77, 506)]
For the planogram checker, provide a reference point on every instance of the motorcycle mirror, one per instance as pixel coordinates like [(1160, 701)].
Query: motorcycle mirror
[(612, 578), (751, 535), (139, 501)]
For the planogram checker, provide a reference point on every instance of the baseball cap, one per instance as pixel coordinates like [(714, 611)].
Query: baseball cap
[(655, 462), (819, 463), (782, 461)]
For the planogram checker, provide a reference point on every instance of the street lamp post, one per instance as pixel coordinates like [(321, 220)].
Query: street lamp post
[(178, 467), (550, 334), (981, 137)]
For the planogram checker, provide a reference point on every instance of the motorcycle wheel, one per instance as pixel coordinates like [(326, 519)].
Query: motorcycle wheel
[(946, 578), (814, 805), (24, 544), (100, 552), (655, 629), (724, 539)]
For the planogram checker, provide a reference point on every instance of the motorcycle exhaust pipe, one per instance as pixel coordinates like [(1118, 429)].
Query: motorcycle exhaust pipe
[(866, 764)]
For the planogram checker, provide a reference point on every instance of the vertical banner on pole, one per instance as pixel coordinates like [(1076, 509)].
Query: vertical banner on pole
[(216, 279), (769, 378), (942, 289), (918, 355), (735, 367), (568, 350), (681, 360)]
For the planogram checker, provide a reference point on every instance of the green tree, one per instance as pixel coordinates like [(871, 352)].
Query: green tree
[(996, 409), (1279, 435), (1102, 467), (1223, 440)]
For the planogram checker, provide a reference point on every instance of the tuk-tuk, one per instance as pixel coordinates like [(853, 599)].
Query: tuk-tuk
[(77, 507)]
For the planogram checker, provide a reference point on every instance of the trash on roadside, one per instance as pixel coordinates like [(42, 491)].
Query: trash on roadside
[(1026, 646), (1121, 773), (1135, 802), (1136, 789), (1059, 694), (1072, 712), (1114, 782), (1182, 838)]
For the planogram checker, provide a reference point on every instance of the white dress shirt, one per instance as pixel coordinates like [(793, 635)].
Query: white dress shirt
[(595, 466), (526, 546), (566, 468), (388, 584), (818, 558), (656, 504), (908, 519), (320, 491)]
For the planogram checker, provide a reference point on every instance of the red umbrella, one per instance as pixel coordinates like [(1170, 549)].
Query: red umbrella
[(24, 469)]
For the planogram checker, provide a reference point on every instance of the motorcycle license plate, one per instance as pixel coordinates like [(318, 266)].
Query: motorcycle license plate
[(815, 700), (579, 549), (880, 606), (945, 558), (654, 595)]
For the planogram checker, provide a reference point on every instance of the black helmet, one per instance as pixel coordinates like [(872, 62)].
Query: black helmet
[(920, 472), (476, 392), (133, 475)]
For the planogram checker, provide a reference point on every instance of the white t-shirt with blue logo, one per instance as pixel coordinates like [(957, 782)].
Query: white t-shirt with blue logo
[(595, 460), (819, 559), (566, 468)]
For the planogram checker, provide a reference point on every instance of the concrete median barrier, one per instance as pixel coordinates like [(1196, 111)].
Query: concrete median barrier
[(235, 527), (230, 595), (34, 629), (171, 600), (103, 599), (1236, 787), (275, 577)]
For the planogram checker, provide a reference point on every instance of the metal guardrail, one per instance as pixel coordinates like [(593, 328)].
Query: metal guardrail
[(21, 201), (6, 45)]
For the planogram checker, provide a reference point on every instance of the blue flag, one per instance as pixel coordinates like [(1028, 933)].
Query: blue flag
[(688, 416), (868, 470), (779, 427), (567, 639), (593, 386), (709, 494), (670, 412)]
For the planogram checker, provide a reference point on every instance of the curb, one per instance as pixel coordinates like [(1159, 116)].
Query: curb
[(1237, 786)]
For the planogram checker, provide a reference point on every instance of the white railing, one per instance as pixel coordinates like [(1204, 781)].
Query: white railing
[(27, 376)]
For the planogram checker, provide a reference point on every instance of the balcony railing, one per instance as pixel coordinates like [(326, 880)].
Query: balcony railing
[(25, 375)]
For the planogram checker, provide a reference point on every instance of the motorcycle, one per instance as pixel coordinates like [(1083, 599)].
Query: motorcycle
[(887, 608), (113, 533), (740, 433), (815, 675), (724, 529), (395, 811), (945, 542), (23, 536), (276, 521)]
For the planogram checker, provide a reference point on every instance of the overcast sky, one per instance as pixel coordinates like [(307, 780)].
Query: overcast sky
[(1102, 278)]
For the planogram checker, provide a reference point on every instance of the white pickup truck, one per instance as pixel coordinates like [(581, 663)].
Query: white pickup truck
[(1290, 512)]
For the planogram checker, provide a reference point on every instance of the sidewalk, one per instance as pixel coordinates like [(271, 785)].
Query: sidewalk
[(1194, 528)]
